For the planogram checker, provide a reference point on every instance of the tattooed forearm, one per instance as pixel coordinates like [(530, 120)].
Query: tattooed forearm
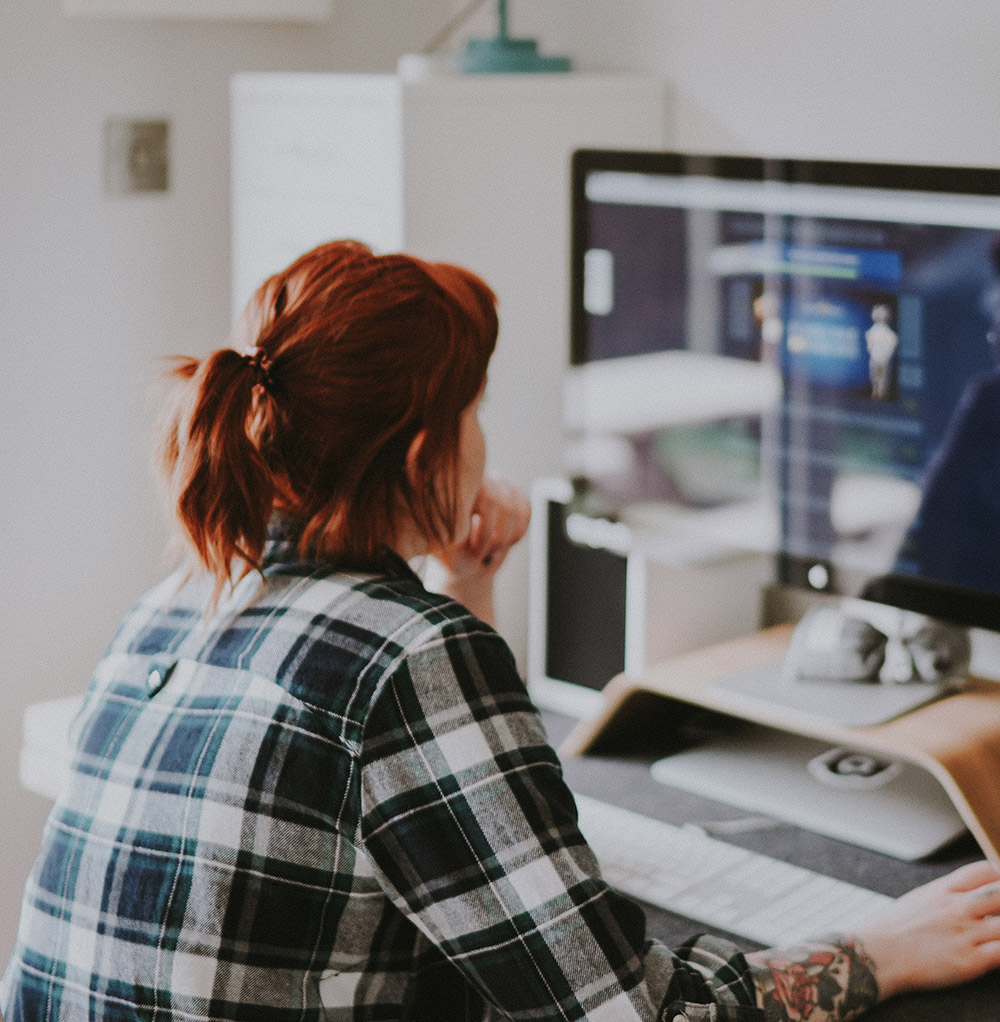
[(831, 980)]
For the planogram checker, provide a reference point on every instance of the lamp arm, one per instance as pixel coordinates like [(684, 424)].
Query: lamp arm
[(457, 20)]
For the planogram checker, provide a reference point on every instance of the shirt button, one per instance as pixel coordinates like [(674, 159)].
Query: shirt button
[(158, 675), (680, 1018)]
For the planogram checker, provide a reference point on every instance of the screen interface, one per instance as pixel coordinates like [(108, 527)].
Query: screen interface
[(800, 368)]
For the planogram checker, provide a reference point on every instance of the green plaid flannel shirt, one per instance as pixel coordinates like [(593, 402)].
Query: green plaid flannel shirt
[(332, 800)]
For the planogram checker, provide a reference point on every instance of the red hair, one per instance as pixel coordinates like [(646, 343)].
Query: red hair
[(346, 357)]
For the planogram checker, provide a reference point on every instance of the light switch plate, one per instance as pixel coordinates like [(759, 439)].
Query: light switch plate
[(136, 156)]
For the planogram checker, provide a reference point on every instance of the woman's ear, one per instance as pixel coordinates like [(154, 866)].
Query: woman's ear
[(413, 475)]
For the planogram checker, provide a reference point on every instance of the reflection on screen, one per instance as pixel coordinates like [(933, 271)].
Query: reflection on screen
[(800, 368)]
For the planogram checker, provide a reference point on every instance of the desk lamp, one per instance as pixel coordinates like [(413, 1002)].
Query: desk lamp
[(504, 54), (501, 54)]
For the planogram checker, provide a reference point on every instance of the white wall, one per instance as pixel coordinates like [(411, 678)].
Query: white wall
[(911, 80), (95, 288)]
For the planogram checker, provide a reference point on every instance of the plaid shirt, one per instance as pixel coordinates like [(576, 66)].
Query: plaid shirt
[(331, 800)]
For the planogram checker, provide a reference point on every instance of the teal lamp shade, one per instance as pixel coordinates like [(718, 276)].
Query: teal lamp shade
[(504, 55)]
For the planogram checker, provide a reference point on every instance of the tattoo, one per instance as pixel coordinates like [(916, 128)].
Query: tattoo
[(832, 980)]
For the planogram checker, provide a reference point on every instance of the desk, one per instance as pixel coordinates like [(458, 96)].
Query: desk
[(627, 782)]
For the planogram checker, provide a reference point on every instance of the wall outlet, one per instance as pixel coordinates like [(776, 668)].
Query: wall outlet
[(136, 156)]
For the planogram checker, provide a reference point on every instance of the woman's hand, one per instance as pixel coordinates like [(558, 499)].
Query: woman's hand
[(943, 933), (499, 520)]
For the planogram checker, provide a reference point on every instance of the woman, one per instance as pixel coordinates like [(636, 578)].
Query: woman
[(305, 787)]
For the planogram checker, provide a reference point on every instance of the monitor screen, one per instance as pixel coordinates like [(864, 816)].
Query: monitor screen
[(795, 357)]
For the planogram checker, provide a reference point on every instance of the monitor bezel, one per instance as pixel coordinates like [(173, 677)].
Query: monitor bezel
[(956, 604)]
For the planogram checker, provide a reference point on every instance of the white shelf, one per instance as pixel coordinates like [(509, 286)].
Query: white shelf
[(473, 170)]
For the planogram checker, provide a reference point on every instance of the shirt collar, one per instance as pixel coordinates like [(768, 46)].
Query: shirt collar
[(283, 534)]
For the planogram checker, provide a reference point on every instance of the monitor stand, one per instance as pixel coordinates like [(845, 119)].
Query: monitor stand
[(878, 802), (850, 704), (954, 739), (857, 663)]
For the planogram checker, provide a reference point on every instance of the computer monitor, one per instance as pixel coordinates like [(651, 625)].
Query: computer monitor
[(797, 357), (606, 598), (578, 601)]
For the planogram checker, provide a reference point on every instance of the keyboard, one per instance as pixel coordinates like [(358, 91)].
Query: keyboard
[(687, 872)]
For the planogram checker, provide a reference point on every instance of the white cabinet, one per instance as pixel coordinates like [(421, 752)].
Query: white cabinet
[(466, 169)]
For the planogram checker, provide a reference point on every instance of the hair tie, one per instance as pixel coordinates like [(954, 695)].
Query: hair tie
[(258, 361)]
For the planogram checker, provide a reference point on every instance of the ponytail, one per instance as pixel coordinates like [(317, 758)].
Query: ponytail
[(219, 481)]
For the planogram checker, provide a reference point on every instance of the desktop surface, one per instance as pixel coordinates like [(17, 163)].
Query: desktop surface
[(626, 780)]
